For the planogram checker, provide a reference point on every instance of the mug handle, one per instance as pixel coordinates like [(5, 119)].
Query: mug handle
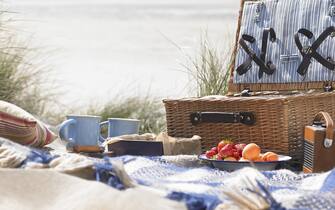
[(102, 139), (64, 131)]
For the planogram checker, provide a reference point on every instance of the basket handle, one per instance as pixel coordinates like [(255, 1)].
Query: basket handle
[(247, 118), (329, 127)]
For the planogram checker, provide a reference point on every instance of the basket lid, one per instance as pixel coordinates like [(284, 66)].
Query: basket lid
[(272, 52)]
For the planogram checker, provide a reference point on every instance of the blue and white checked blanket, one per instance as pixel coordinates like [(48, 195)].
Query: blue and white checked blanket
[(186, 179), (201, 187)]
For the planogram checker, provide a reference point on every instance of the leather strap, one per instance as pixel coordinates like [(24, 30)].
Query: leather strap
[(329, 124), (247, 118), (244, 67), (310, 52), (264, 67), (271, 67)]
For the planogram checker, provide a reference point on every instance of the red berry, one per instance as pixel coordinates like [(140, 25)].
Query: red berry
[(219, 157), (214, 149), (227, 150), (210, 154), (221, 145), (236, 155), (240, 153), (240, 146)]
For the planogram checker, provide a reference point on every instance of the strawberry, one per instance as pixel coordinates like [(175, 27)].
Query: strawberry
[(227, 150), (223, 143), (237, 155), (240, 146), (219, 157), (220, 145), (214, 149), (210, 154), (240, 152)]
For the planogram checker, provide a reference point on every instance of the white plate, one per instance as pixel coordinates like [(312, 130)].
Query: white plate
[(235, 165)]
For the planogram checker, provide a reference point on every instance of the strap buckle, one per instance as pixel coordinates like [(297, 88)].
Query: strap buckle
[(328, 87), (332, 11), (246, 92), (307, 50), (257, 17), (328, 143)]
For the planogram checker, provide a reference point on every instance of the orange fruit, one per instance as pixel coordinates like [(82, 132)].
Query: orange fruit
[(270, 156), (259, 159), (251, 151)]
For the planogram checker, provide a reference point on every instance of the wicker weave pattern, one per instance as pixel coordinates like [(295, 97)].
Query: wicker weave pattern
[(280, 120)]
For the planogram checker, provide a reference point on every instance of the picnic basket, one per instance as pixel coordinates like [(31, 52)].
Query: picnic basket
[(282, 102)]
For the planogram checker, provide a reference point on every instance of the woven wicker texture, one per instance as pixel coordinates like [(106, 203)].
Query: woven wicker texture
[(280, 119)]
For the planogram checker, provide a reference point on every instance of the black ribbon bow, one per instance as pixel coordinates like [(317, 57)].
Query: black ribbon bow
[(264, 67), (309, 52)]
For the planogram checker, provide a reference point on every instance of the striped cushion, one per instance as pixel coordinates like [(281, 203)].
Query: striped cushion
[(20, 126), (286, 17)]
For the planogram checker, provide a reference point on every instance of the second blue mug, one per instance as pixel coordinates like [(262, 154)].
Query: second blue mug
[(121, 126)]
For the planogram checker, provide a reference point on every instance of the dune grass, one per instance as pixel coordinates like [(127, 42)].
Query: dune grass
[(24, 81), (209, 69), (147, 109), (28, 85)]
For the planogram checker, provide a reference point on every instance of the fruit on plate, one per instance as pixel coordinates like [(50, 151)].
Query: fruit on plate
[(240, 147), (251, 152), (259, 159), (270, 156), (210, 154), (223, 143), (228, 151)]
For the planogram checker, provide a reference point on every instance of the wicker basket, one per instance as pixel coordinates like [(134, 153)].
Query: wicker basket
[(279, 119)]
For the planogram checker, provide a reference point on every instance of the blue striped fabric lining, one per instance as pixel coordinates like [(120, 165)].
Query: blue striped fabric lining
[(287, 17)]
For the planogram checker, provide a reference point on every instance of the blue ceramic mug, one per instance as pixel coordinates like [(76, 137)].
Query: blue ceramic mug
[(121, 126), (81, 130)]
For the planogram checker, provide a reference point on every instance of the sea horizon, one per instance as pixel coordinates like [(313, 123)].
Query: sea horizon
[(107, 49)]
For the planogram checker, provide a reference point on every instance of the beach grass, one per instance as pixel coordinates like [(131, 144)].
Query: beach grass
[(147, 109), (209, 69), (28, 85), (23, 82)]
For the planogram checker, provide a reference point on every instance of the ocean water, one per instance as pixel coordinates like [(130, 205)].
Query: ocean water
[(103, 49)]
